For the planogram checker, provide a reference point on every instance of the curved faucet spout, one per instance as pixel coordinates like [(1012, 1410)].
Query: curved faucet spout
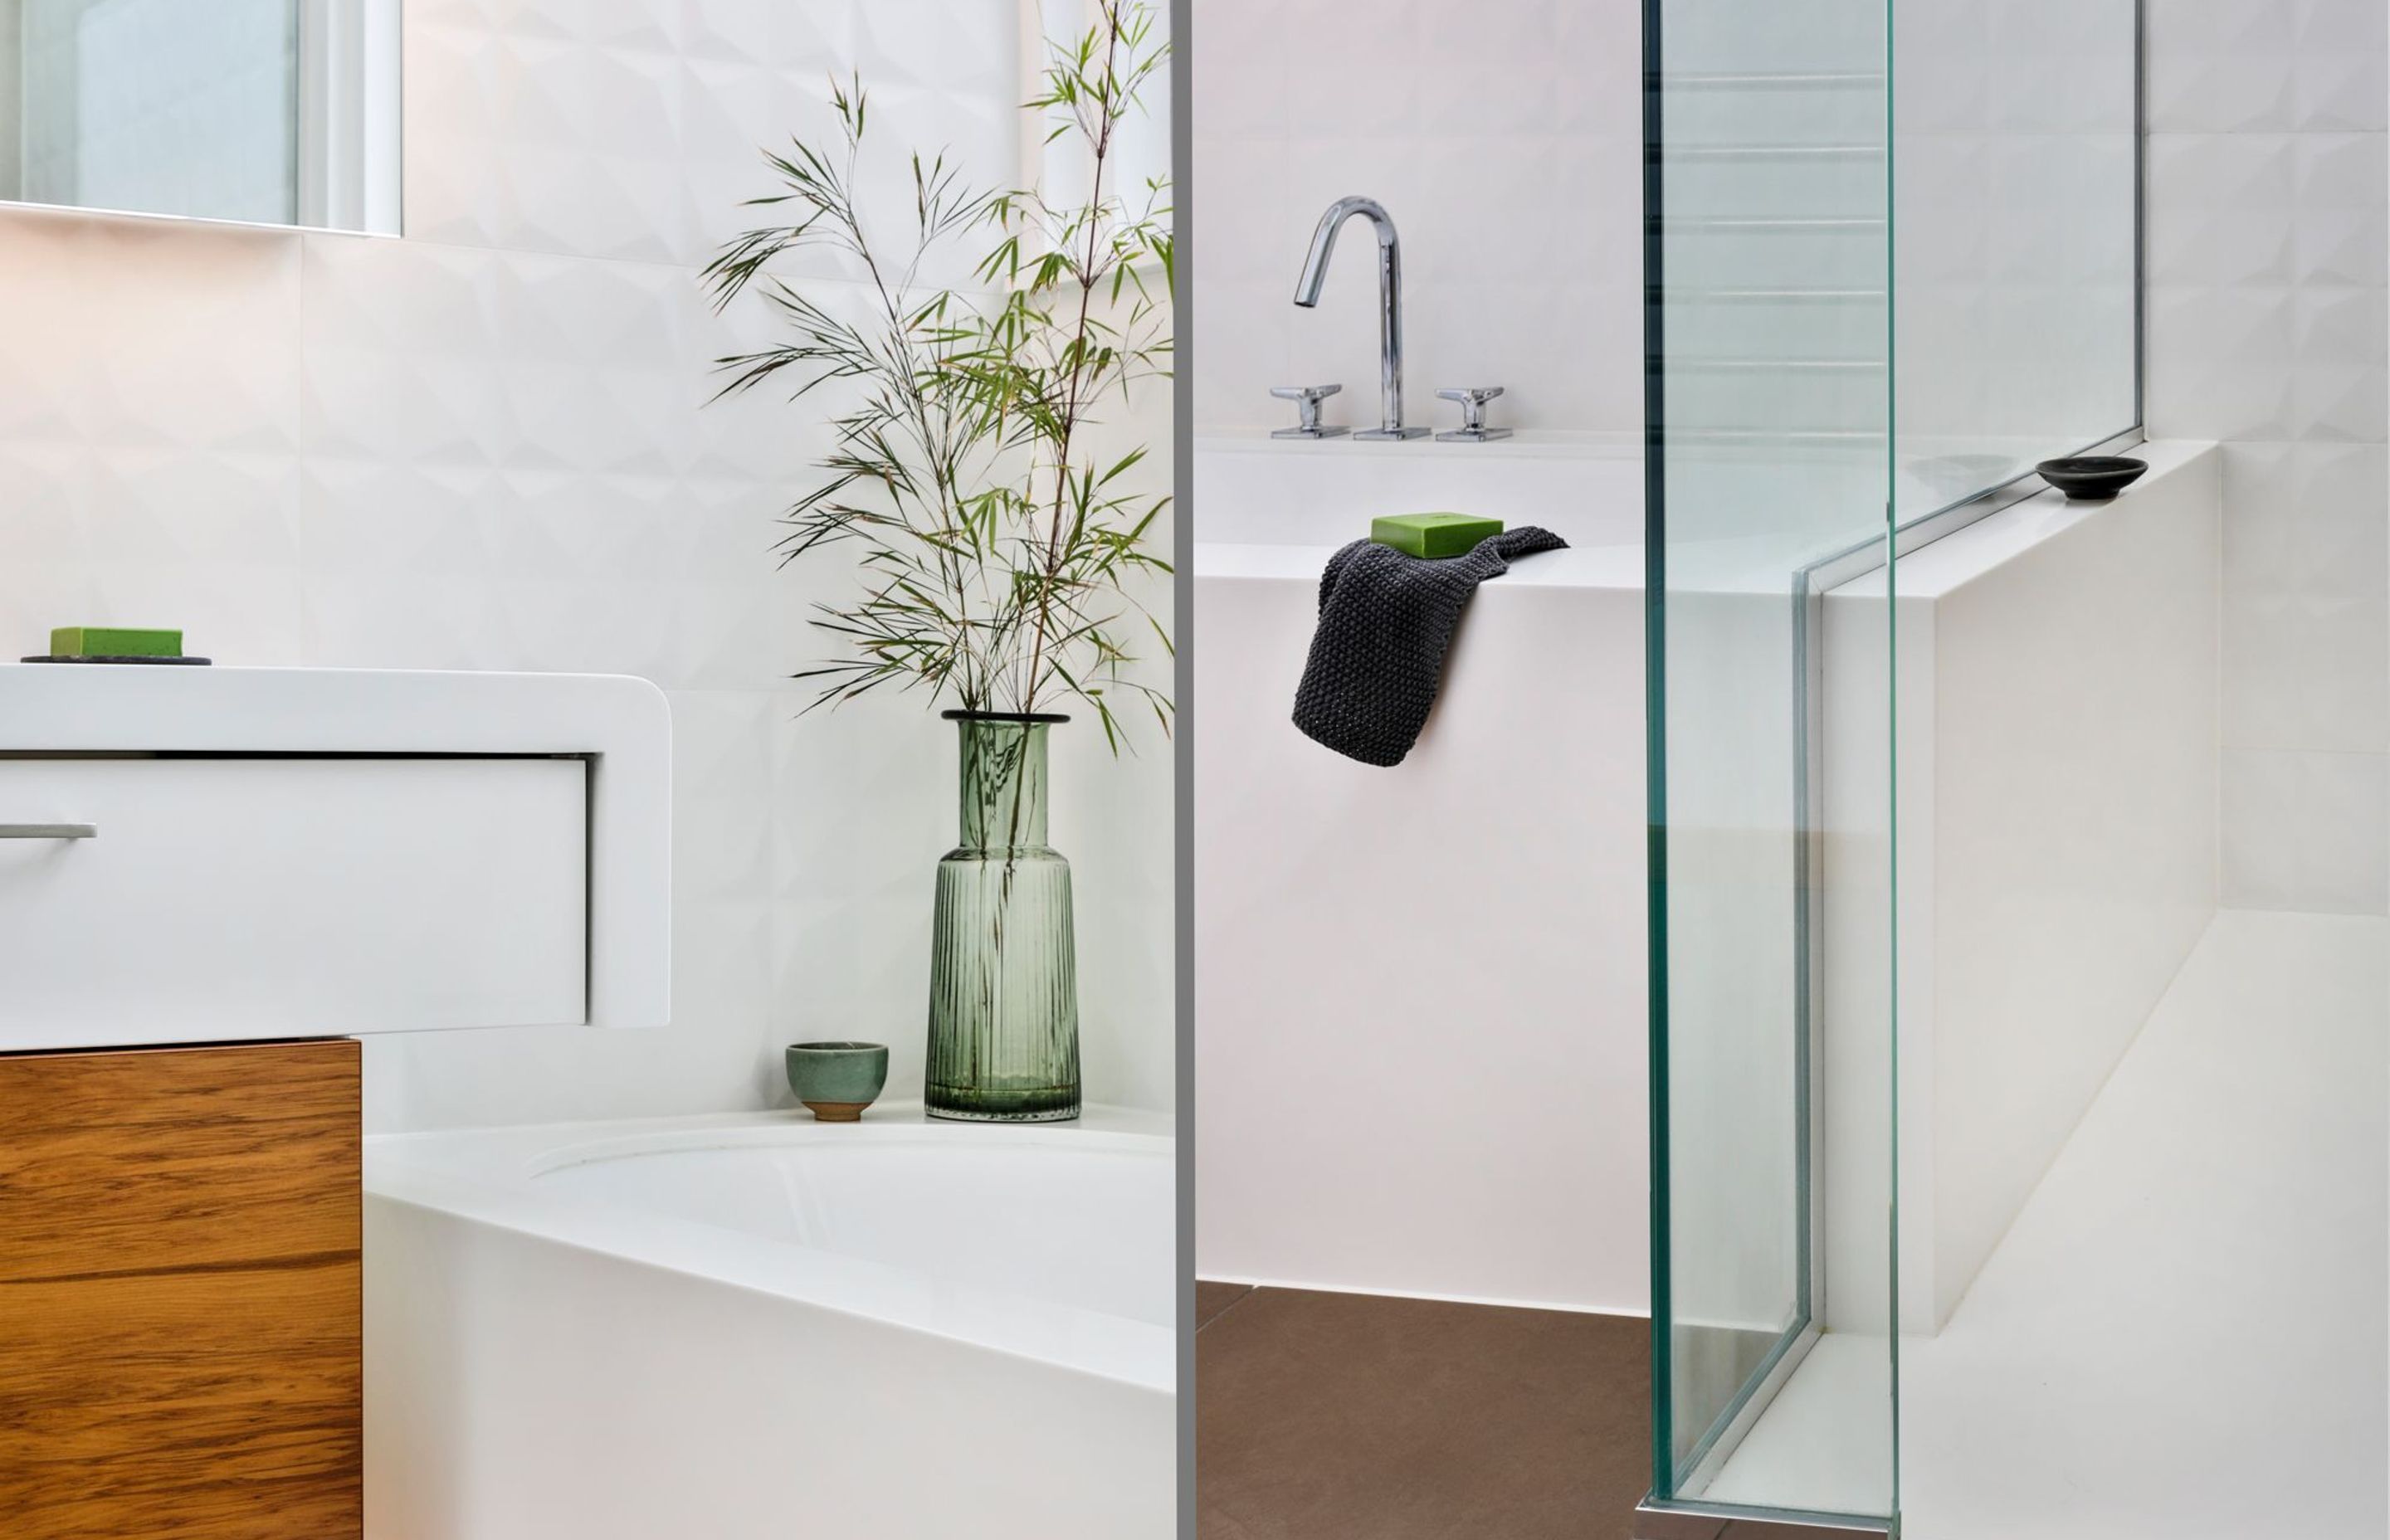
[(1390, 300), (1323, 243)]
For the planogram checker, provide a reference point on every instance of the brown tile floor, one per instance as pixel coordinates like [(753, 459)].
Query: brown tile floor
[(1324, 1417)]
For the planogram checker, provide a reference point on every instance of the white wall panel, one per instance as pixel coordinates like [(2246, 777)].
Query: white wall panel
[(489, 445), (2267, 261)]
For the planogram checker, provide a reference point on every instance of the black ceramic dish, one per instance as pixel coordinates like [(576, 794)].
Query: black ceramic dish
[(2092, 478)]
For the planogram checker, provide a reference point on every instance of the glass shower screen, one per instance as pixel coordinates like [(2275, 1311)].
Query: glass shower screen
[(1770, 319), (1890, 263)]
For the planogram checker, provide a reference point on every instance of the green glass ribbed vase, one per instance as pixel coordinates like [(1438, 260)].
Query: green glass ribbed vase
[(1004, 987)]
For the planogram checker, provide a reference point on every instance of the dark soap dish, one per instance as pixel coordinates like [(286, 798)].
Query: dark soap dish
[(2092, 478), (185, 662)]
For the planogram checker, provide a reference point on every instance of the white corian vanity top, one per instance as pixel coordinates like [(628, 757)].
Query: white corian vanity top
[(172, 709), (320, 852)]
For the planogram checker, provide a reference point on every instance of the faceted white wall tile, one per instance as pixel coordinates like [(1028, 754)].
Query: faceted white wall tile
[(2338, 378), (1235, 360), (1943, 86), (2338, 232), (2220, 65), (726, 810), (948, 72), (1123, 863), (1477, 88), (724, 816), (2218, 361), (1504, 141), (399, 571), (2262, 644), (139, 333), (2307, 631), (452, 355), (151, 541), (940, 80), (2266, 251), (736, 111), (545, 125), (2340, 48), (531, 432), (149, 433), (2015, 286), (2348, 689), (635, 129), (2306, 831), (1346, 77), (1241, 65), (2219, 208), (2303, 673), (798, 35), (2342, 538), (854, 963), (2059, 66)]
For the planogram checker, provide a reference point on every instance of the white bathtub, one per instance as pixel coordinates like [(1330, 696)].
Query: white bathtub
[(758, 1325)]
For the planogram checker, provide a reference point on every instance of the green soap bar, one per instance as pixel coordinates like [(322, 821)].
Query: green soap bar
[(1432, 534), (101, 641)]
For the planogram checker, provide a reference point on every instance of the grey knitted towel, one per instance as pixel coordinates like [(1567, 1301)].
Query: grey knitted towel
[(1386, 622)]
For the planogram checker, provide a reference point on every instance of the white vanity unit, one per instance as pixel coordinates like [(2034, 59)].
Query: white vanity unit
[(212, 881), (205, 854)]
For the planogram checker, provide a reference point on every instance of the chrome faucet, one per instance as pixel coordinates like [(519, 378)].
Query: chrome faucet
[(1390, 302)]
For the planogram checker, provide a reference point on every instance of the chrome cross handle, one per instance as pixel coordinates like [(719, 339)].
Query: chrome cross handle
[(1306, 399), (1472, 428)]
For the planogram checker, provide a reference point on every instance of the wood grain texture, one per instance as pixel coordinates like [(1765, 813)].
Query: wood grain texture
[(132, 1161), (180, 1294)]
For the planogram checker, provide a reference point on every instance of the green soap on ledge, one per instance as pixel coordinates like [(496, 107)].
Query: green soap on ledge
[(1432, 534), (100, 641)]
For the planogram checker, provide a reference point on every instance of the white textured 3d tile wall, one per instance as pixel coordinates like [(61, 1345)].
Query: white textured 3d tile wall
[(1503, 138), (2266, 271), (487, 446)]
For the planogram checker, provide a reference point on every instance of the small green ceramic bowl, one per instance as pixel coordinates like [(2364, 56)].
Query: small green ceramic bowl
[(837, 1080)]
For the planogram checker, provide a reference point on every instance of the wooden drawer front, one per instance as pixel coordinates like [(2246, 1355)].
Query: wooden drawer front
[(150, 1159), (229, 899), (203, 1378)]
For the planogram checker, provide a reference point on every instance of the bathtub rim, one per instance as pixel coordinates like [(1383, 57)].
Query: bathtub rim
[(489, 1176)]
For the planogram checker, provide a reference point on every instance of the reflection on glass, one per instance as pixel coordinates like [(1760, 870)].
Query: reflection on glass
[(2015, 161), (1890, 269), (265, 112), (1772, 388)]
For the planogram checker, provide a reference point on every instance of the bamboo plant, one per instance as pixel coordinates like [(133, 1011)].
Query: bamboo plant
[(1000, 552)]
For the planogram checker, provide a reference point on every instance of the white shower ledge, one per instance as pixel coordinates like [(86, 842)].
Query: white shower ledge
[(283, 853), (1939, 569)]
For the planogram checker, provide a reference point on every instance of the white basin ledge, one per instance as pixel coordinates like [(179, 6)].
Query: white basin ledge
[(437, 808)]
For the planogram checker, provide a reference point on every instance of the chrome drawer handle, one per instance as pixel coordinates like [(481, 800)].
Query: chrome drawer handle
[(49, 831)]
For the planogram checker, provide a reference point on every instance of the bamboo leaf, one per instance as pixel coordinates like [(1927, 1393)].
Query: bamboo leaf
[(996, 559)]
